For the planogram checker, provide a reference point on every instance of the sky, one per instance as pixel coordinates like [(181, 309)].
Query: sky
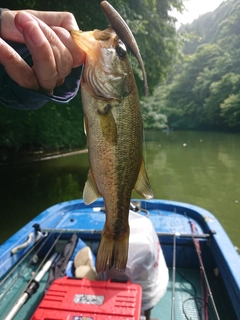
[(194, 8)]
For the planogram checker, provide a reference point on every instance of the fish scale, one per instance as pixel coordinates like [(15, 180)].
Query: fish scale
[(114, 131)]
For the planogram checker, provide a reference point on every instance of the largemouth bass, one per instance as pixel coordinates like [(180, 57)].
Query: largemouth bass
[(114, 131)]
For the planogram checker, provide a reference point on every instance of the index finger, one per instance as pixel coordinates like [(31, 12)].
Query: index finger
[(16, 67), (12, 31), (65, 20)]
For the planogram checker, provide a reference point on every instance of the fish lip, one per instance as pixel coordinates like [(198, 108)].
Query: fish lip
[(87, 41)]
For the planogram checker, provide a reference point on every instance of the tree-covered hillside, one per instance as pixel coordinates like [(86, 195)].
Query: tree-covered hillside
[(204, 90), (61, 125)]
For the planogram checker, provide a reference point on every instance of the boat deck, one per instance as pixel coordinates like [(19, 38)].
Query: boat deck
[(188, 302), (172, 222)]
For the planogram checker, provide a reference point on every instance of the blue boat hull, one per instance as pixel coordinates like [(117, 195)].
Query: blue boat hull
[(172, 220)]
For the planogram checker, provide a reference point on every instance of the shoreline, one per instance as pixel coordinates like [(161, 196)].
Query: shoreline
[(40, 156)]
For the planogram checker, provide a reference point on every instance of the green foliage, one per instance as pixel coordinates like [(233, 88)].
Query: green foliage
[(153, 118), (219, 92), (230, 110), (52, 126), (204, 92), (60, 126)]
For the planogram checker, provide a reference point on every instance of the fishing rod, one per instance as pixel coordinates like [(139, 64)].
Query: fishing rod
[(31, 288), (18, 264), (160, 234), (24, 257), (173, 276), (198, 250), (33, 284)]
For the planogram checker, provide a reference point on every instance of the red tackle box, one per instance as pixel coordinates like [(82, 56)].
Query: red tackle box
[(82, 299)]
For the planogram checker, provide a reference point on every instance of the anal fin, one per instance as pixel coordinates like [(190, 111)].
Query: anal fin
[(90, 192), (142, 185)]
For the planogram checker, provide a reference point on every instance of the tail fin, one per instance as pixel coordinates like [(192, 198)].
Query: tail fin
[(112, 252)]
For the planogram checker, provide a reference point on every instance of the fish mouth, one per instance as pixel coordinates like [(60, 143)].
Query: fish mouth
[(85, 41), (89, 41), (102, 79)]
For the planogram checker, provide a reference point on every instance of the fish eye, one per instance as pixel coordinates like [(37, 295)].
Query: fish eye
[(121, 50)]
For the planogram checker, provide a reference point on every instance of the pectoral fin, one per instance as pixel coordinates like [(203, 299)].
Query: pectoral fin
[(142, 185), (90, 192), (108, 124)]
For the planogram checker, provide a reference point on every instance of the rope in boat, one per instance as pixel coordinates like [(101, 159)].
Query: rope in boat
[(199, 304), (204, 313), (194, 298)]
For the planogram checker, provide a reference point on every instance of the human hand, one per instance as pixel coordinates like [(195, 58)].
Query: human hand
[(53, 50)]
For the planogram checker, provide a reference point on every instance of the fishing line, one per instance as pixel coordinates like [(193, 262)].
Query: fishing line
[(145, 160), (31, 289), (173, 277), (143, 135), (40, 247), (193, 297), (192, 285), (42, 263), (23, 269), (199, 303), (23, 258), (19, 262)]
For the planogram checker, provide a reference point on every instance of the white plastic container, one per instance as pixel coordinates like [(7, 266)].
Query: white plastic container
[(146, 264)]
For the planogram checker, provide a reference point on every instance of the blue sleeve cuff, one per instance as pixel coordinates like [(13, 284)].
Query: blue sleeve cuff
[(14, 96)]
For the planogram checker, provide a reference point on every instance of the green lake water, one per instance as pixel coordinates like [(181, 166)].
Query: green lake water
[(201, 168)]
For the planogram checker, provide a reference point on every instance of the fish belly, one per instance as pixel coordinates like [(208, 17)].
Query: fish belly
[(115, 155)]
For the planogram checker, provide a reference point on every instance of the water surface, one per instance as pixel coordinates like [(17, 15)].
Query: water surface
[(201, 168)]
